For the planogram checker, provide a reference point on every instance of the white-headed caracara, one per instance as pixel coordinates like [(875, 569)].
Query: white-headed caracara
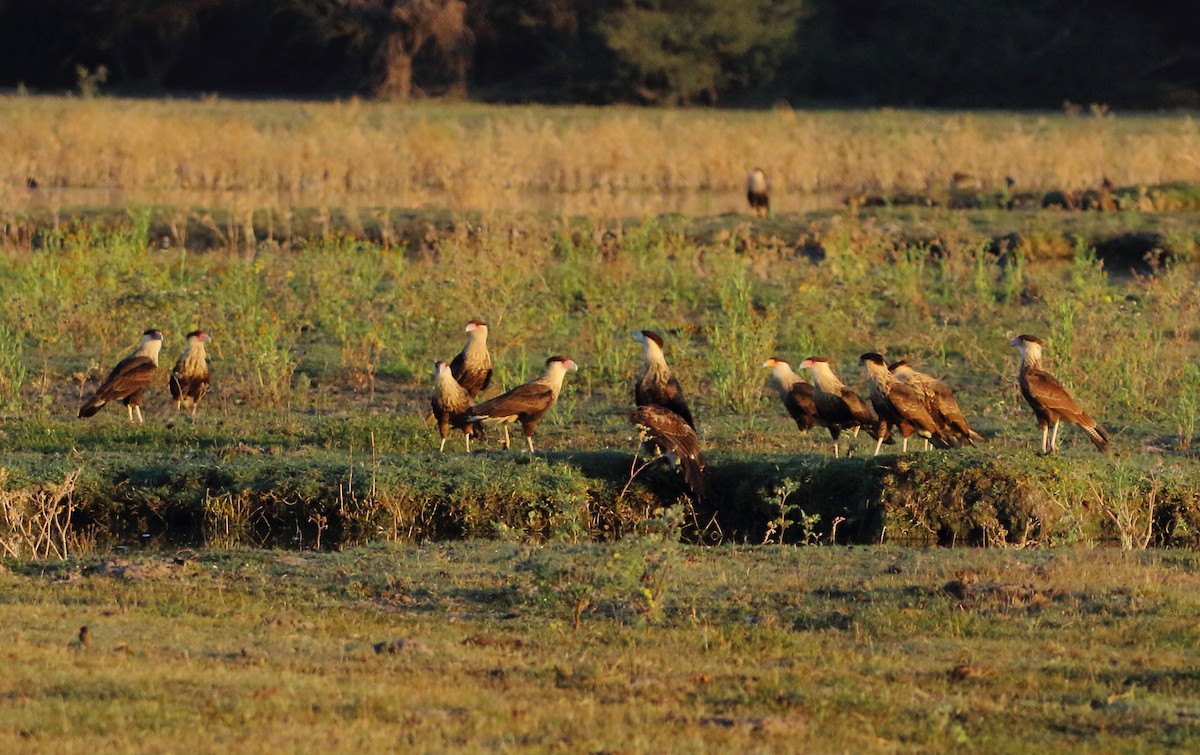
[(656, 385), (128, 379), (898, 404), (190, 378), (1049, 399), (675, 440), (526, 403), (796, 394), (940, 401), (839, 407), (472, 368), (451, 404), (758, 193)]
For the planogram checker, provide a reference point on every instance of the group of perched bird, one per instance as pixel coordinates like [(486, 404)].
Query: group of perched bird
[(188, 381), (902, 400)]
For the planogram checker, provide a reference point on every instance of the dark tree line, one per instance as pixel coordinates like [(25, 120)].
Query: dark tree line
[(1037, 53)]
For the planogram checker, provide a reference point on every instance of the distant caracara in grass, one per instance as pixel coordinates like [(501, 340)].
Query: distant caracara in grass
[(839, 407), (656, 385), (898, 404), (190, 378), (472, 368), (797, 395), (451, 405), (526, 403), (940, 401), (1049, 399), (128, 379), (758, 193), (671, 437)]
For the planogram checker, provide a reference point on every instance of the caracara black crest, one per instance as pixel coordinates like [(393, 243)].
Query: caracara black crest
[(472, 368)]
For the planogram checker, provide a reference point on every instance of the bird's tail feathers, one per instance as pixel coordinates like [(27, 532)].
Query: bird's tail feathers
[(91, 407), (1097, 434)]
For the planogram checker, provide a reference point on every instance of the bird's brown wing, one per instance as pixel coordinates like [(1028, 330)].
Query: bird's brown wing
[(677, 440), (802, 406), (907, 403), (669, 397), (529, 399), (1047, 391), (857, 407), (952, 414), (131, 375)]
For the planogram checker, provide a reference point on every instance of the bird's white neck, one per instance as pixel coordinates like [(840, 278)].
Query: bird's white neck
[(879, 375), (824, 379), (150, 348), (554, 377), (1031, 355), (785, 376)]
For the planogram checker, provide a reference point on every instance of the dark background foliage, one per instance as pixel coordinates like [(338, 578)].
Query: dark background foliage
[(979, 53)]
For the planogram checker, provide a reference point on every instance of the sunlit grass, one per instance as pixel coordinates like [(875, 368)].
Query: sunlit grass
[(485, 646)]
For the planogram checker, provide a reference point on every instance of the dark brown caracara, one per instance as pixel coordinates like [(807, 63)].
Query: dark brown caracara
[(1049, 399), (940, 401), (898, 404), (839, 407), (797, 395), (190, 378), (674, 439), (128, 379), (472, 368), (758, 193), (451, 405), (526, 403), (656, 385)]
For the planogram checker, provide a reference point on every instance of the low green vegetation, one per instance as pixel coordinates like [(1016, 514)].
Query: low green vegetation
[(643, 646), (314, 434)]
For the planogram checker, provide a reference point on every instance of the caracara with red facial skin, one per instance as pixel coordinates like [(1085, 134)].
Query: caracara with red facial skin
[(190, 378), (898, 404), (472, 368), (451, 405), (838, 406), (526, 403), (797, 395), (657, 386), (128, 379), (1050, 401)]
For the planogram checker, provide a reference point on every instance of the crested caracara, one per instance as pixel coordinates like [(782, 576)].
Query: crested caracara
[(940, 401), (797, 395), (472, 368), (674, 439), (526, 403), (758, 193), (190, 378), (839, 407), (128, 379), (451, 404), (1049, 399), (656, 385), (898, 404)]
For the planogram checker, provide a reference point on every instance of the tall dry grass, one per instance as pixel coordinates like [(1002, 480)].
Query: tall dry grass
[(247, 155)]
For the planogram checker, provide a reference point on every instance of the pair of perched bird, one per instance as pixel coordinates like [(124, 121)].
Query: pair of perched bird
[(912, 402), (188, 382), (902, 399), (457, 384)]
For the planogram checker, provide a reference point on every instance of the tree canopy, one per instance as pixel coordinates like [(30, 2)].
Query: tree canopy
[(1134, 53)]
